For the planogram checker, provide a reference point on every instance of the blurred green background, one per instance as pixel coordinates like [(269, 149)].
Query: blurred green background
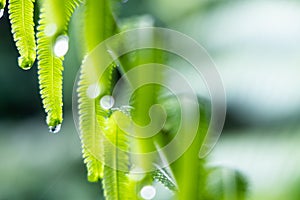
[(256, 47)]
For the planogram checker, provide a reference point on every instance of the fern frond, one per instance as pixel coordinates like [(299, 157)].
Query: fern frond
[(50, 74), (92, 120), (91, 134), (50, 66), (115, 179), (22, 27), (92, 116)]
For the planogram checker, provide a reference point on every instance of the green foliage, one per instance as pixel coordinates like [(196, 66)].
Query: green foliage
[(91, 121), (91, 134), (92, 116), (22, 27), (50, 66), (50, 76), (105, 145)]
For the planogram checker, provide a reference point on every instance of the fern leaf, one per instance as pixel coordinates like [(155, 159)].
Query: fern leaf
[(91, 134), (92, 116), (92, 120), (50, 75), (22, 26), (115, 179), (50, 66)]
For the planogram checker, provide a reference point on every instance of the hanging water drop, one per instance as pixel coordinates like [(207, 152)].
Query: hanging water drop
[(55, 129), (148, 192), (93, 91), (107, 102), (25, 63), (61, 45), (1, 12), (124, 1)]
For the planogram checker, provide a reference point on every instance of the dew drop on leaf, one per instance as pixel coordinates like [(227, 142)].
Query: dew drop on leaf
[(61, 45), (55, 129), (148, 192), (1, 12), (107, 102), (25, 63)]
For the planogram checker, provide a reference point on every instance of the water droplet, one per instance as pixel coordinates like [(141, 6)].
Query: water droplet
[(61, 45), (107, 102), (124, 1), (148, 192), (1, 12), (55, 129), (50, 29), (25, 63), (93, 91)]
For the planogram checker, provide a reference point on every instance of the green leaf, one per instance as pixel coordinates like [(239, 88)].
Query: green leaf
[(91, 117), (91, 135), (22, 27), (97, 27), (50, 66), (116, 147), (92, 120)]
